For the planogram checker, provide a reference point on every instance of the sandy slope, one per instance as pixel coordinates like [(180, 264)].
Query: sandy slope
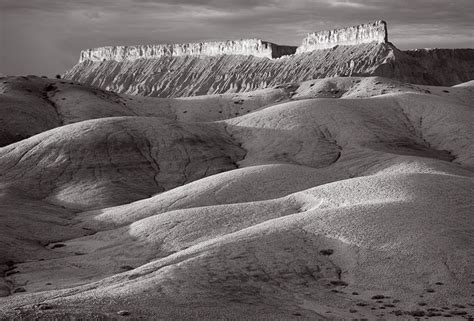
[(110, 161), (300, 207), (31, 105)]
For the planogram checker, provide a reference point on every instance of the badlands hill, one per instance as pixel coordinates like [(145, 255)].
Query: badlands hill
[(246, 65), (335, 198)]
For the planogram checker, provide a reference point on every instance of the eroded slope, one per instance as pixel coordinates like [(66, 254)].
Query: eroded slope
[(322, 208)]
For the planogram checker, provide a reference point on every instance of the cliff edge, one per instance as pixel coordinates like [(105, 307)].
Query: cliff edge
[(245, 47), (365, 33), (244, 65)]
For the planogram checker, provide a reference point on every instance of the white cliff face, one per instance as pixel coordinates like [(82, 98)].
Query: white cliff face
[(247, 47), (361, 34), (356, 35), (243, 65)]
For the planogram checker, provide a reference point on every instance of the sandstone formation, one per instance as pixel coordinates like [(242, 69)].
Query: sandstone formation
[(190, 76), (366, 33), (245, 47), (243, 65)]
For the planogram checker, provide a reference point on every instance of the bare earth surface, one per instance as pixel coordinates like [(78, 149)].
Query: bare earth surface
[(335, 198)]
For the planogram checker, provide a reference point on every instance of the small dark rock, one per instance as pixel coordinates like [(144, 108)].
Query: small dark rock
[(326, 252), (127, 267), (297, 314), (459, 306), (339, 283), (378, 297), (430, 290), (355, 293), (458, 312), (421, 304), (50, 87), (388, 305), (44, 306), (361, 304), (19, 290), (352, 310), (439, 283), (417, 313), (123, 313), (55, 246)]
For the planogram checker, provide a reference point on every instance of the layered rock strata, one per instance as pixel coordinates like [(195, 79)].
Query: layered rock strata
[(245, 47), (350, 36), (244, 65)]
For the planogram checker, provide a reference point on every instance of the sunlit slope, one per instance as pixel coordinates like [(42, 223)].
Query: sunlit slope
[(337, 198), (113, 161), (385, 234)]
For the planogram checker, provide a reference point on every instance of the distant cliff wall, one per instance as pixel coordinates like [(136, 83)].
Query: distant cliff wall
[(350, 36), (246, 47), (200, 75), (243, 65)]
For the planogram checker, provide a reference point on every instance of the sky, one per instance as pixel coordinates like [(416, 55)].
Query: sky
[(45, 37)]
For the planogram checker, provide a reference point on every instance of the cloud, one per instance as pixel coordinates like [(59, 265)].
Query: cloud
[(46, 36)]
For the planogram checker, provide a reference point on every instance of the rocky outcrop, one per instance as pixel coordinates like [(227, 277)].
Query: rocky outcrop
[(190, 76), (243, 65), (246, 47), (356, 35)]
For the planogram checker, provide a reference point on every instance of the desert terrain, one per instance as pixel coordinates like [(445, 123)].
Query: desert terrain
[(334, 198), (241, 180)]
